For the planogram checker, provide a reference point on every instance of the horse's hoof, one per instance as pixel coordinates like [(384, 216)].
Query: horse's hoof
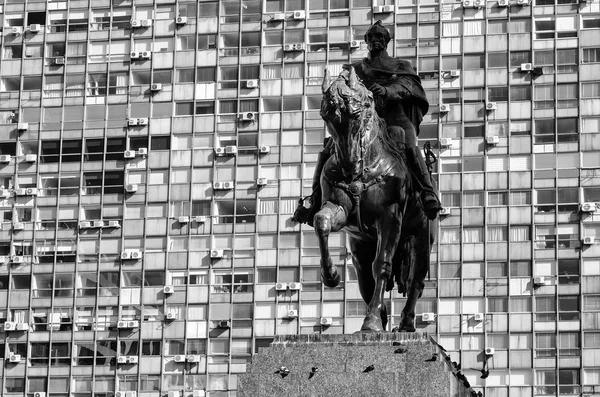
[(332, 280), (372, 323), (407, 325)]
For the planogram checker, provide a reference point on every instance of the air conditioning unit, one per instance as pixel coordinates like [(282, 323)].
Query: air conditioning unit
[(85, 224), (523, 2), (5, 158), (218, 185), (526, 67), (220, 151), (280, 16), (131, 394), (15, 358), (125, 255), (23, 326), (251, 84), (455, 73), (132, 359), (10, 326), (4, 193), (588, 207), (142, 151), (247, 116), (428, 317), (491, 106), (216, 254), (146, 54), (181, 20), (264, 149), (478, 317), (132, 122), (295, 286), (134, 55), (192, 358), (228, 185), (223, 324), (122, 325), (183, 219), (479, 3), (292, 314), (179, 358), (133, 324), (122, 360), (168, 289), (16, 30), (326, 321), (18, 259), (114, 224), (355, 44), (131, 188), (467, 3), (136, 254), (135, 23), (383, 9), (445, 212), (18, 226), (21, 191), (200, 219), (502, 3), (98, 223), (231, 150), (31, 158), (492, 140), (489, 351), (119, 394), (539, 281), (147, 23), (58, 61), (34, 28), (299, 14), (262, 181), (22, 126), (31, 191), (293, 47), (143, 121), (129, 154), (281, 286), (171, 316), (444, 108), (446, 142), (588, 240)]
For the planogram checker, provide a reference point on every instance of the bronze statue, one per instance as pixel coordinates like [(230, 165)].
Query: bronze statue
[(367, 188)]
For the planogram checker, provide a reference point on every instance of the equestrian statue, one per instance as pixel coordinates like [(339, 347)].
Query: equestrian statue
[(373, 182)]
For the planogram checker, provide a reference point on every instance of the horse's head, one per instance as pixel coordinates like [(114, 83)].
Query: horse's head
[(345, 99)]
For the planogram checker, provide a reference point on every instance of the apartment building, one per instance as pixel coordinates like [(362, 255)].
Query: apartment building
[(152, 153)]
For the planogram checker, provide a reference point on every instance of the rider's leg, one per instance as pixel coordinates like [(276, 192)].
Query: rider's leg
[(429, 198), (306, 215)]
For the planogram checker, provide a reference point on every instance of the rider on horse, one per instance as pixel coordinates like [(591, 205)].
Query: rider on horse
[(400, 100)]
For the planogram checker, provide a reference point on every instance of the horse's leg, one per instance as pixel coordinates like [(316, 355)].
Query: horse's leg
[(331, 218), (388, 235), (363, 255), (419, 269)]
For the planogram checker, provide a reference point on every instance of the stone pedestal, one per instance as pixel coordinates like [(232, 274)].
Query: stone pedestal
[(397, 360)]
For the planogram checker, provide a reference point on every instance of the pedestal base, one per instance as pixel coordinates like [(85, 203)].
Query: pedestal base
[(398, 362)]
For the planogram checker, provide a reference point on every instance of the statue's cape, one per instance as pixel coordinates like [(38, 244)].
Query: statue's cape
[(397, 75)]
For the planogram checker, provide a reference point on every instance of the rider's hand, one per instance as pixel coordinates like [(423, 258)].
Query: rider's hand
[(378, 90)]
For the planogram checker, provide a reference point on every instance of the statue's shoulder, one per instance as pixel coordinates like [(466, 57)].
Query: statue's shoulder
[(401, 66)]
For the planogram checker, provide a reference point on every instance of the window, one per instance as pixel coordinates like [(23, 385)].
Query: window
[(590, 55), (520, 198), (519, 57), (520, 93), (497, 233), (473, 199), (497, 94), (567, 95), (497, 59), (545, 345), (568, 308)]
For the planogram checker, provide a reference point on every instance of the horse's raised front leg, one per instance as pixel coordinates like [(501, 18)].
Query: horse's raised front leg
[(388, 235), (331, 218)]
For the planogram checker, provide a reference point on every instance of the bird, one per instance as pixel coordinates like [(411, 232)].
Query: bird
[(396, 343), (479, 394), (401, 349), (433, 358), (456, 365), (369, 368), (313, 371), (283, 371), (485, 373)]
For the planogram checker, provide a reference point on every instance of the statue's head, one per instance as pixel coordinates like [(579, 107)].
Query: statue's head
[(377, 37)]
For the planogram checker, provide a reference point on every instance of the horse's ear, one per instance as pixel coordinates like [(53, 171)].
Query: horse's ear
[(326, 81), (353, 79)]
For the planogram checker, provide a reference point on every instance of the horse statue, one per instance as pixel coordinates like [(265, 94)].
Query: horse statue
[(369, 192)]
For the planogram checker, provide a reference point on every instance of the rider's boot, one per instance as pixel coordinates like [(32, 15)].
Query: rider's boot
[(430, 200), (306, 215)]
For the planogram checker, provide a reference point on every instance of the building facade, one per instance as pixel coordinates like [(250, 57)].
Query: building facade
[(152, 153)]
